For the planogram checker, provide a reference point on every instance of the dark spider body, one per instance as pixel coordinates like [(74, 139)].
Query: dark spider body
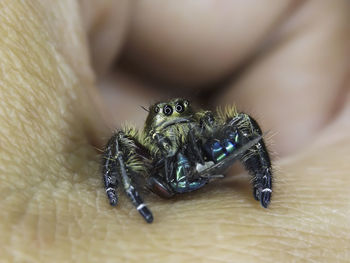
[(180, 151)]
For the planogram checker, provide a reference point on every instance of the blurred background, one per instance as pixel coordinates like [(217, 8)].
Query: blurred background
[(284, 62)]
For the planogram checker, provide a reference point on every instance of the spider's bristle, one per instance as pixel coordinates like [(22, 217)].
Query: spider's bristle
[(229, 112), (144, 108)]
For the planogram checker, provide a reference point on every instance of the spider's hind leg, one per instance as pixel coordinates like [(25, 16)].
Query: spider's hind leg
[(256, 159)]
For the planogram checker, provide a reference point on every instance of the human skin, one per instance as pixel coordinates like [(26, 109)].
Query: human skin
[(59, 103)]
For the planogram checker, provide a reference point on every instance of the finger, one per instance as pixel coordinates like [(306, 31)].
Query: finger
[(296, 87), (106, 23), (46, 124), (123, 94), (197, 42)]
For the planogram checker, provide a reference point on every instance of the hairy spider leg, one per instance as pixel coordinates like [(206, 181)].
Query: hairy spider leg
[(110, 176), (256, 159), (118, 164)]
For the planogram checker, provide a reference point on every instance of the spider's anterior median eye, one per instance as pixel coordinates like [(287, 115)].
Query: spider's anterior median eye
[(168, 110), (179, 107), (156, 109)]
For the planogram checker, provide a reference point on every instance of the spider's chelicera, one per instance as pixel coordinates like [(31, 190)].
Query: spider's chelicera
[(180, 150)]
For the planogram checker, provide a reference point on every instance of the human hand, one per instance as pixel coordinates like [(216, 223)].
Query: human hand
[(285, 64)]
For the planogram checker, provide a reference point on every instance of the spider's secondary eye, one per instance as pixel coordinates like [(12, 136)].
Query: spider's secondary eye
[(156, 109), (168, 110), (179, 107), (186, 103)]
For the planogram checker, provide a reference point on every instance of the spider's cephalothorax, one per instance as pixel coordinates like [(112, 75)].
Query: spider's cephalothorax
[(180, 150)]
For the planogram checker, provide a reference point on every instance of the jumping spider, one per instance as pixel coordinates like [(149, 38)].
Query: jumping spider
[(180, 150)]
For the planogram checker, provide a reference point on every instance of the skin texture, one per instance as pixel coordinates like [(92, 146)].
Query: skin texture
[(286, 64)]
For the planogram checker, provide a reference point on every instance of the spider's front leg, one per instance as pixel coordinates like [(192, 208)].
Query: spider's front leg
[(256, 159), (119, 149), (241, 138)]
